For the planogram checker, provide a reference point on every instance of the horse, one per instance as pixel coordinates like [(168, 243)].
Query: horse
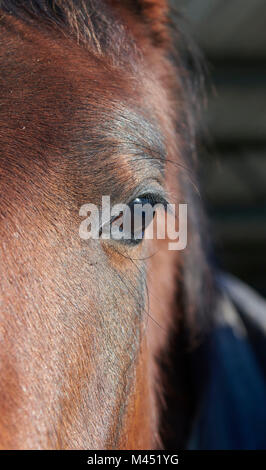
[(96, 99)]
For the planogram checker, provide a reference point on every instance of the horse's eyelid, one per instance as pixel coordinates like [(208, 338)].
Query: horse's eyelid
[(155, 199)]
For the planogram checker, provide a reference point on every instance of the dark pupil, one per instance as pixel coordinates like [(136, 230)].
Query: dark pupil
[(139, 220), (134, 221)]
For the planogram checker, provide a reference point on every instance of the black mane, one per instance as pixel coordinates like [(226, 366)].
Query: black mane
[(89, 22)]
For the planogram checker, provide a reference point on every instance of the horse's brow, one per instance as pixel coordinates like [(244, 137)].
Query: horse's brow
[(144, 141), (155, 156)]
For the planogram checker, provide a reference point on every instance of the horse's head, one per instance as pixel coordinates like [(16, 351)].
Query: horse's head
[(90, 105)]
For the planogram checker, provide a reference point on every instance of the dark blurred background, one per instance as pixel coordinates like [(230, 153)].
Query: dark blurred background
[(232, 36)]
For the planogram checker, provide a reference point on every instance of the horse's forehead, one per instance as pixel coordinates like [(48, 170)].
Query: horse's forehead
[(40, 73), (52, 82), (70, 111)]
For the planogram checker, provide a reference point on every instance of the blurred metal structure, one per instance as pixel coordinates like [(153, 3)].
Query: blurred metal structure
[(232, 35)]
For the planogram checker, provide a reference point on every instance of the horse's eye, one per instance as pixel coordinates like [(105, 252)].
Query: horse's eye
[(130, 224)]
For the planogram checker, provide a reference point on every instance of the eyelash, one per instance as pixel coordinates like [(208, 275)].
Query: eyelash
[(148, 198)]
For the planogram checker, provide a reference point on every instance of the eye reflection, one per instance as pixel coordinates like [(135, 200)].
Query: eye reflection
[(129, 225)]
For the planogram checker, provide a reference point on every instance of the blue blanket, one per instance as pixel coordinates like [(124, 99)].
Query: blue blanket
[(230, 370)]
